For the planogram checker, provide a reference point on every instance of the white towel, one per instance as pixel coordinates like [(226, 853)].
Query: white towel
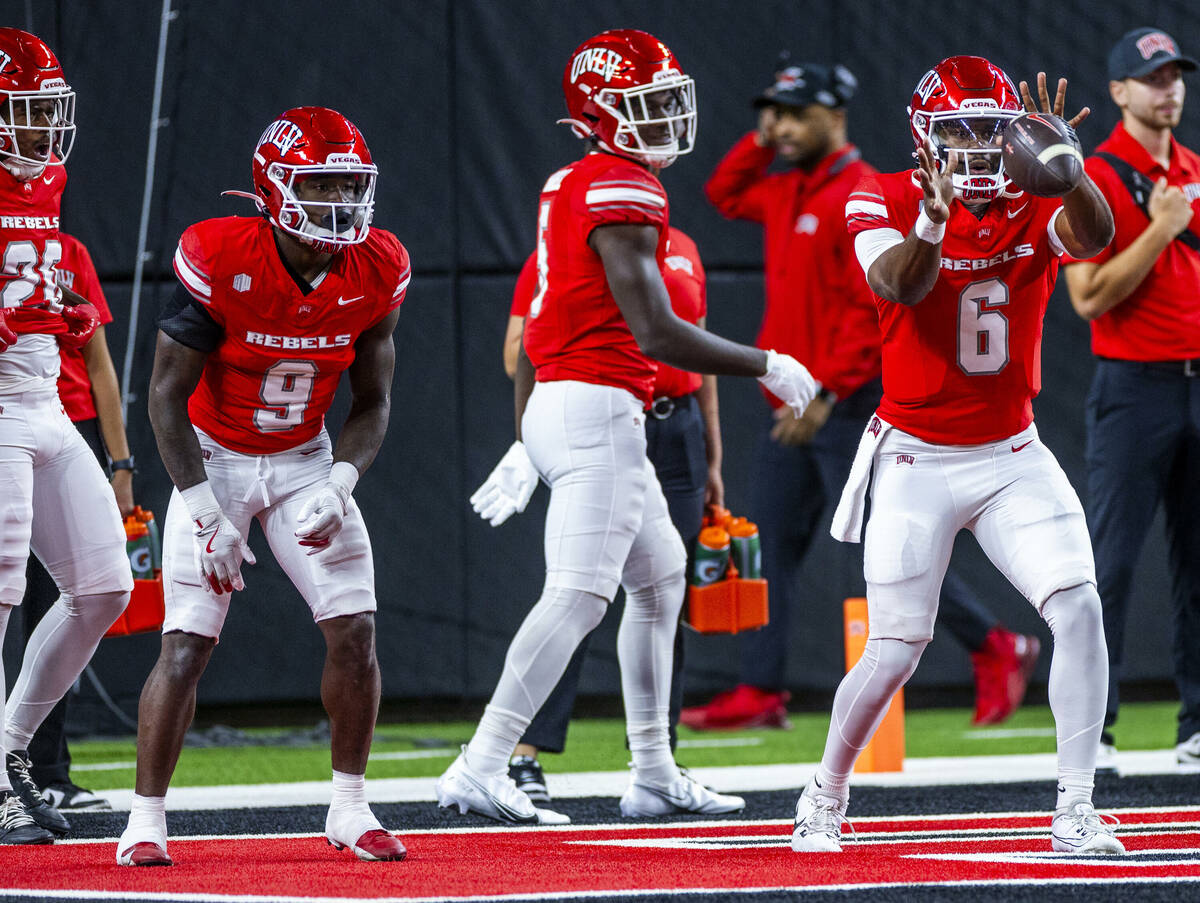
[(848, 518)]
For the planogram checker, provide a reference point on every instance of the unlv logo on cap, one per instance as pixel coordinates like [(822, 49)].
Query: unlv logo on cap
[(282, 134), (1156, 42)]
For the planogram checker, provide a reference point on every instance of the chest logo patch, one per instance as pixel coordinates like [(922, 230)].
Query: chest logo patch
[(241, 282), (807, 224)]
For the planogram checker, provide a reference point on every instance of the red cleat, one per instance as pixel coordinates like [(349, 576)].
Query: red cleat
[(375, 846), (145, 853), (743, 707), (1002, 668)]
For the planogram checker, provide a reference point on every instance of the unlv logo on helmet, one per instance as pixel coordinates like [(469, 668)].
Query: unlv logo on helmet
[(600, 60), (931, 83), (282, 134)]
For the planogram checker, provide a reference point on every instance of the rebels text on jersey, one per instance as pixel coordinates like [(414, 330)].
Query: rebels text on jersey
[(574, 330), (270, 380), (962, 366), (31, 250)]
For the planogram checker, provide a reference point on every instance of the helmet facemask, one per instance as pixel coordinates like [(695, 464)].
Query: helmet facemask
[(328, 226), (666, 105), (22, 117)]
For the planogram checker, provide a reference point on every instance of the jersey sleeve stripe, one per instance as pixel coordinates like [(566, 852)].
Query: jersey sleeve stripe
[(403, 284), (192, 280), (630, 195), (866, 194), (869, 208)]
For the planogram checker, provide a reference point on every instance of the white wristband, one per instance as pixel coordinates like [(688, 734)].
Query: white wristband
[(344, 477), (927, 230), (199, 500)]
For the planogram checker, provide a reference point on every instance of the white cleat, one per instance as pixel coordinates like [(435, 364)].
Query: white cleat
[(494, 796), (685, 794), (1187, 754), (1078, 829), (818, 827)]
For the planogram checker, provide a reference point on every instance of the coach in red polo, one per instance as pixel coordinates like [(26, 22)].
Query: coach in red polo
[(1142, 297)]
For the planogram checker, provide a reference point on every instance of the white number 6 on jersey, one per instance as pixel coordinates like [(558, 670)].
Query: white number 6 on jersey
[(982, 329)]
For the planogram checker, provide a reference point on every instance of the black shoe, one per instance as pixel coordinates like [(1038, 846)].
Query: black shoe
[(65, 795), (526, 773), (16, 827), (17, 762)]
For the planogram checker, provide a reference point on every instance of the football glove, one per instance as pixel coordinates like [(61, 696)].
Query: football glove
[(219, 548), (789, 381), (8, 338), (320, 518), (82, 321), (508, 488)]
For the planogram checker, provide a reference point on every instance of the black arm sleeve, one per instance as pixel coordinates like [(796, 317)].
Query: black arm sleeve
[(184, 320)]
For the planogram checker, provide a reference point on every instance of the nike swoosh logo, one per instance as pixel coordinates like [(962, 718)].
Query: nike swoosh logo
[(342, 302), (506, 810), (1013, 213), (1017, 448), (208, 548)]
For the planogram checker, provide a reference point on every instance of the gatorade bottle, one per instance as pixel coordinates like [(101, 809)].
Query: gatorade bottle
[(712, 556), (716, 516), (147, 518), (746, 548), (137, 546)]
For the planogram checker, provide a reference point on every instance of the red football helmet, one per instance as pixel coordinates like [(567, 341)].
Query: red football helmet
[(625, 89), (306, 143), (34, 98), (963, 104)]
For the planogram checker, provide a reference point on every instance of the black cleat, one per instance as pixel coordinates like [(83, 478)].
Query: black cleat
[(16, 827), (17, 762), (526, 773)]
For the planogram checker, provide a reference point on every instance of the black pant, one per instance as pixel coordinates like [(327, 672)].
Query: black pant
[(48, 748), (793, 486), (676, 446), (1143, 447)]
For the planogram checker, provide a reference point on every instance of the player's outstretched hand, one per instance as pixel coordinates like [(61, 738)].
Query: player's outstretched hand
[(1058, 105), (789, 381), (8, 338), (936, 183), (220, 551), (508, 488), (82, 321)]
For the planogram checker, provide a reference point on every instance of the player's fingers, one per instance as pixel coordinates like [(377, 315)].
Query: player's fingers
[(483, 500), (1079, 117), (502, 515), (1060, 97), (247, 555), (481, 492), (1027, 97), (1043, 92)]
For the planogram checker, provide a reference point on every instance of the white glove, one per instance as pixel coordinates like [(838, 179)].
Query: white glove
[(508, 488), (321, 516), (789, 381), (219, 548)]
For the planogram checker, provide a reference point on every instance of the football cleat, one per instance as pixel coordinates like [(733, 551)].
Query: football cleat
[(145, 852), (1187, 753), (1002, 667), (1078, 829), (374, 846), (66, 795), (743, 707), (685, 794), (818, 826), (494, 796), (16, 827), (18, 764), (526, 773)]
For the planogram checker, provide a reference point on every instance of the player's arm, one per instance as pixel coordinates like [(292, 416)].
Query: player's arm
[(176, 373), (106, 394), (523, 381), (906, 271), (512, 344), (637, 286), (370, 394), (1096, 289), (706, 397)]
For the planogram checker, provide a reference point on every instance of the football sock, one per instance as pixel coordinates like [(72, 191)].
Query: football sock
[(1078, 687), (537, 658), (862, 700), (349, 816), (5, 784), (147, 822), (645, 648), (58, 650)]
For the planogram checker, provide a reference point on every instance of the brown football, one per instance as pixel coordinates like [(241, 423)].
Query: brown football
[(1042, 155)]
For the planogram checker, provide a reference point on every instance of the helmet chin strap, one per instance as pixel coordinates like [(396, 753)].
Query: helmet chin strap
[(22, 171)]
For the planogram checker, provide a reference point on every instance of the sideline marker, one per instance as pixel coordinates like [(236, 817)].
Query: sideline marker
[(885, 751)]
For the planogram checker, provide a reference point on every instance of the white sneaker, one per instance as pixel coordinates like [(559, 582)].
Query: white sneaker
[(1187, 753), (1078, 829), (495, 796), (685, 794), (819, 819)]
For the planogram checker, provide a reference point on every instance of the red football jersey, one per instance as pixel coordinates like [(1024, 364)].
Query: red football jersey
[(267, 386), (78, 273), (684, 277), (962, 366), (575, 329)]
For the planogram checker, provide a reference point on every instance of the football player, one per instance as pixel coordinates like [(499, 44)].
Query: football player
[(599, 320), (962, 264), (269, 311), (45, 465)]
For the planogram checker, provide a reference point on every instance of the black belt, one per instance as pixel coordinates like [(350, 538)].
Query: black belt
[(663, 407), (1188, 368)]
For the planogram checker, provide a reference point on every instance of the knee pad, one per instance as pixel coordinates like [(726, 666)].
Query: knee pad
[(894, 660), (1075, 610)]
